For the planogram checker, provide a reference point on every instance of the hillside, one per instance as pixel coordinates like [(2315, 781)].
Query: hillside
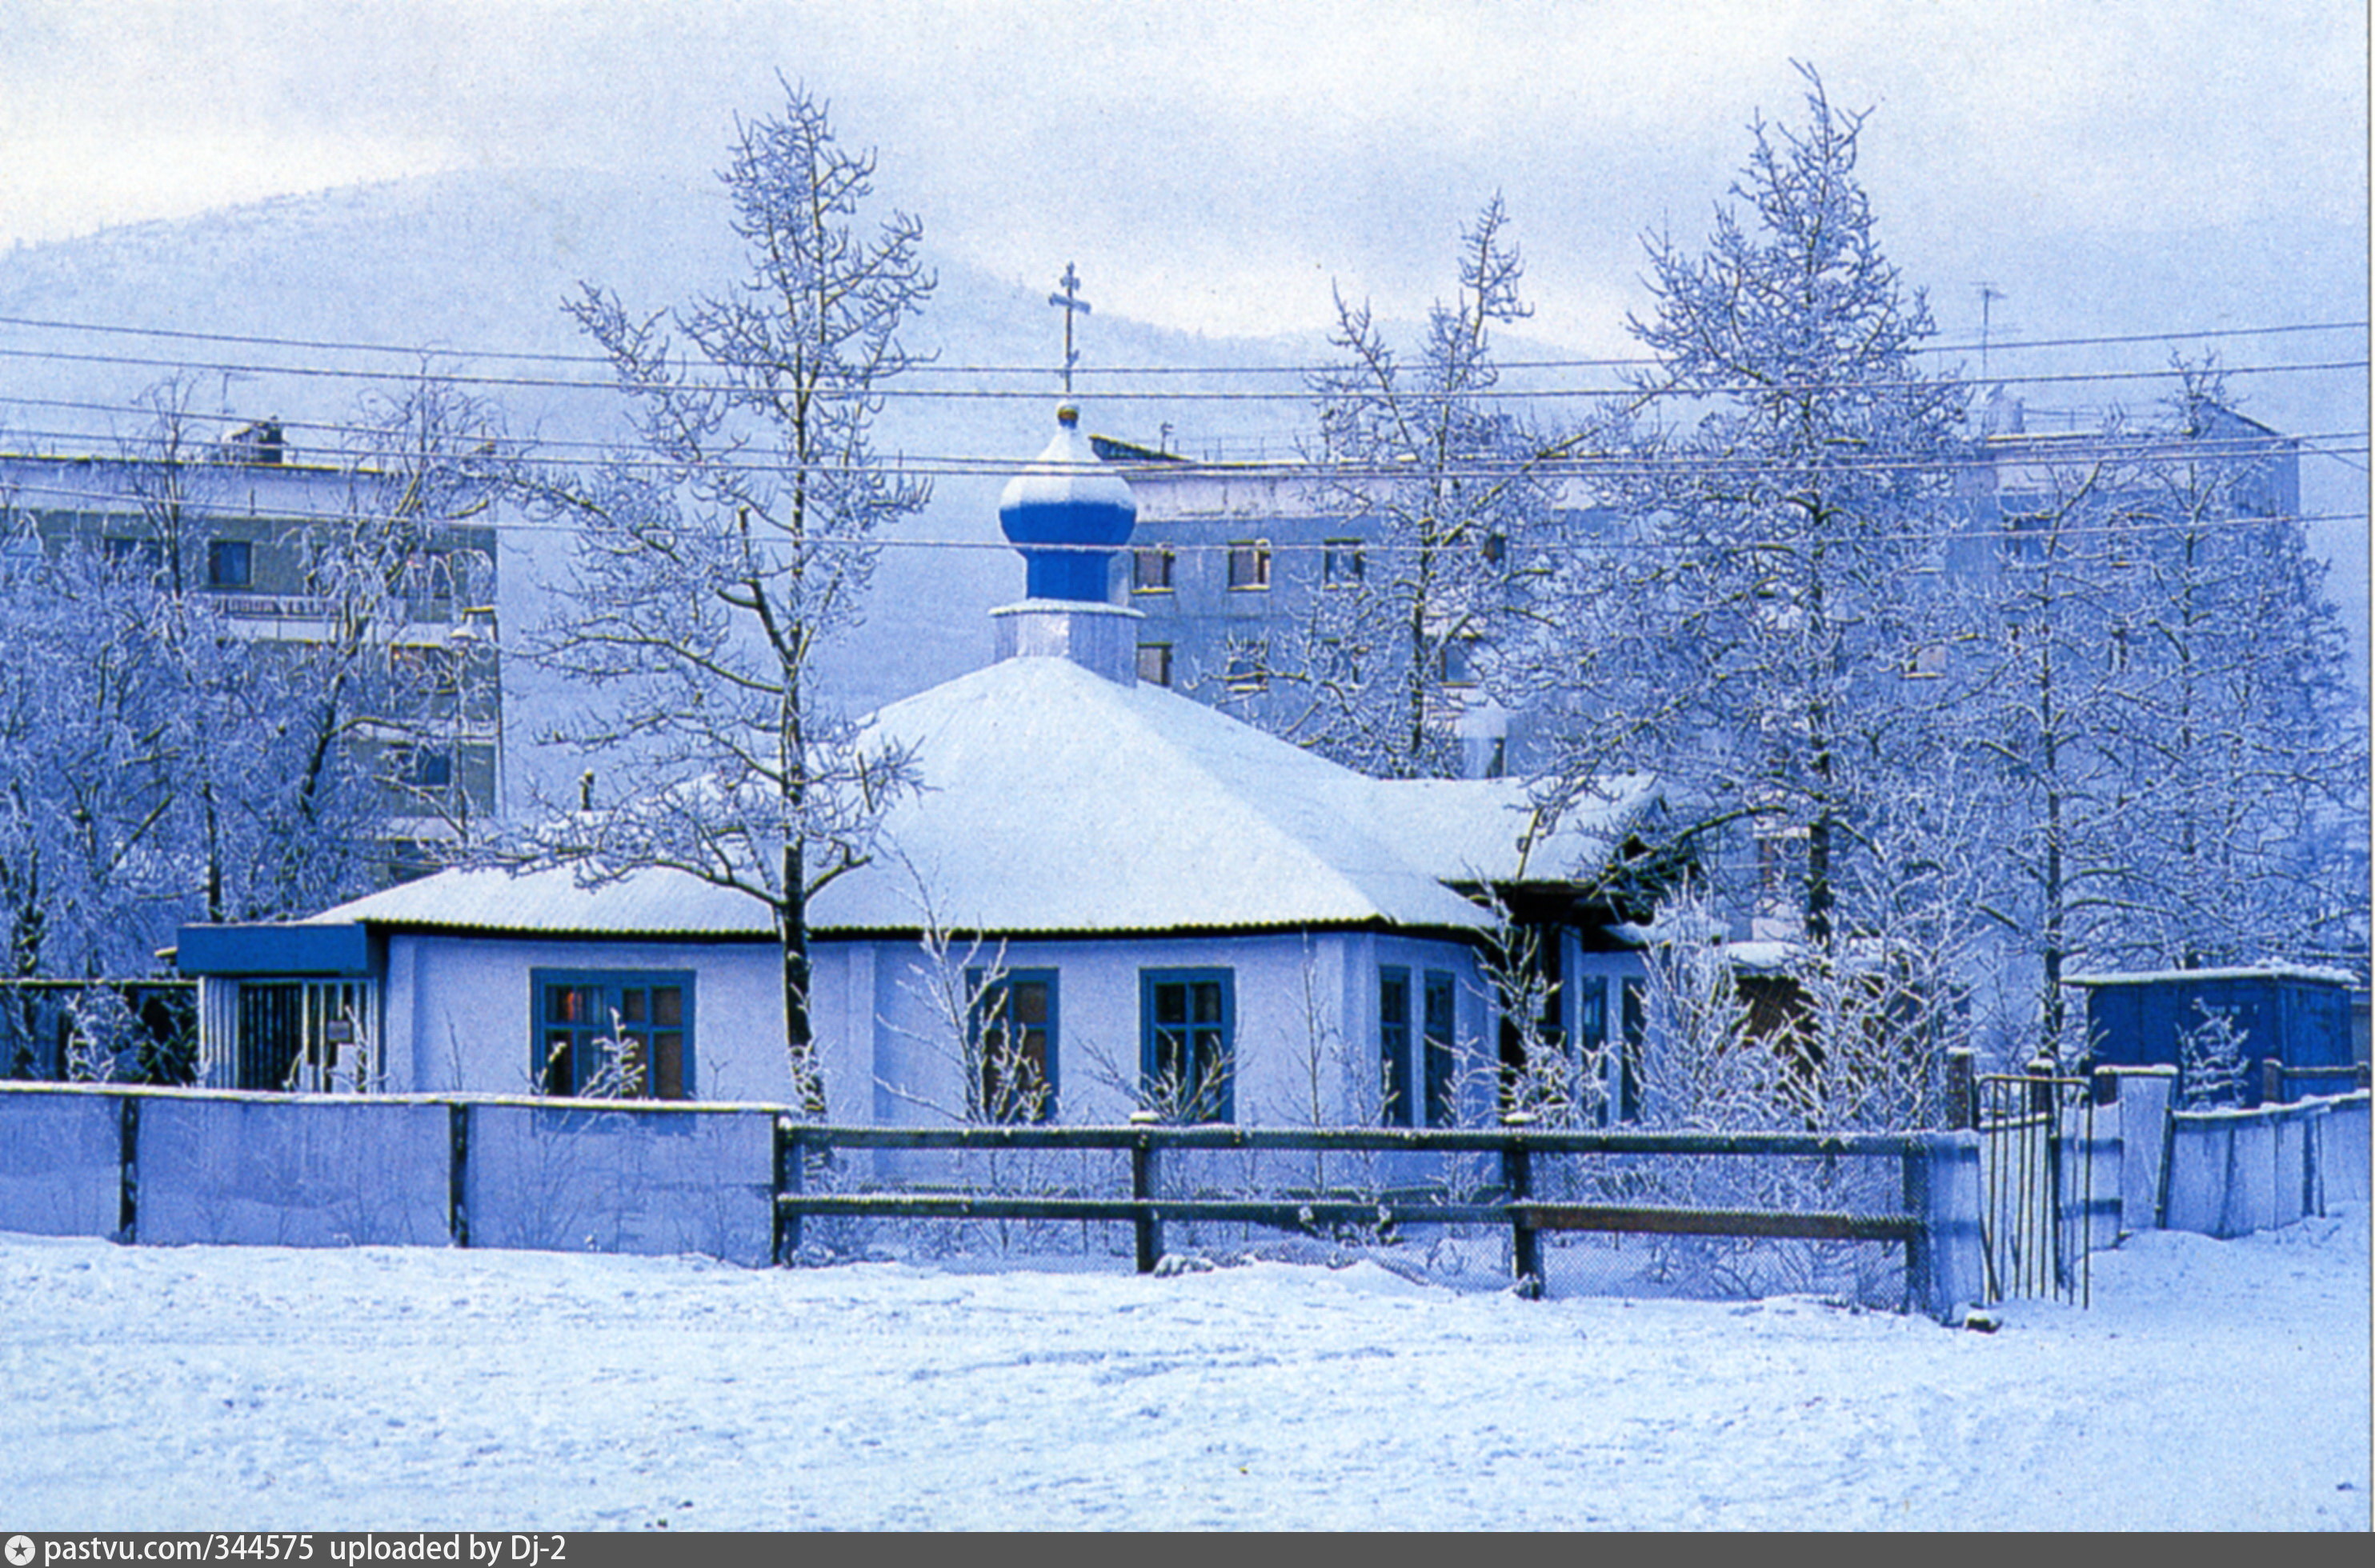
[(474, 270)]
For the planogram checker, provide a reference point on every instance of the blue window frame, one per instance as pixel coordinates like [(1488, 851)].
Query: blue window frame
[(647, 1014), (1187, 1040), (1442, 1109), (1394, 1044), (231, 563), (1013, 1033)]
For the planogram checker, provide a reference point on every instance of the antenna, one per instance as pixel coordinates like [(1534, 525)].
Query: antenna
[(1988, 295), (1071, 304)]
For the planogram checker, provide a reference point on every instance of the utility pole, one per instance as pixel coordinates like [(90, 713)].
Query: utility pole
[(1071, 304)]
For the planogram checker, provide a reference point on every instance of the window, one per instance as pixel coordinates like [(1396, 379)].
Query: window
[(423, 671), (427, 574), (1149, 570), (1341, 563), (1012, 1033), (1155, 662), (1249, 668), (133, 556), (306, 1036), (1185, 1028), (231, 563), (1442, 1109), (1457, 661), (1592, 1023), (623, 1034), (1249, 563), (1497, 548), (1394, 1044), (1497, 760), (1634, 997), (423, 766)]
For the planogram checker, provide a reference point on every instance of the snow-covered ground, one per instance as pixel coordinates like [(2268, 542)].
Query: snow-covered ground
[(2213, 1384)]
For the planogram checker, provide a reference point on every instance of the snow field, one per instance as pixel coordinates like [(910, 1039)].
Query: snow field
[(2214, 1385)]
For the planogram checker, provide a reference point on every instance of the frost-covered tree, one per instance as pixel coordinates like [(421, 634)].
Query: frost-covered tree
[(89, 876), (731, 540), (2045, 682), (1790, 522), (1445, 486), (2247, 748)]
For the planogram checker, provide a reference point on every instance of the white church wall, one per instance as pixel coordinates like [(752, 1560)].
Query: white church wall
[(463, 1009), (1305, 1019)]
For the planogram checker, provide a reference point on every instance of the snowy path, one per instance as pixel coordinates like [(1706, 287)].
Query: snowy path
[(2214, 1385)]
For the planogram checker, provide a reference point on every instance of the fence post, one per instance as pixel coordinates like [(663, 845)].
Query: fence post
[(791, 1157), (1953, 1271), (128, 1156), (1143, 1174), (1913, 1195), (457, 1172), (1518, 1176), (2272, 1081), (1962, 1088)]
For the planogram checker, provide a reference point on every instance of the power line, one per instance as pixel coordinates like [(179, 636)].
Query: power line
[(2050, 453), (549, 357), (894, 392), (2063, 455)]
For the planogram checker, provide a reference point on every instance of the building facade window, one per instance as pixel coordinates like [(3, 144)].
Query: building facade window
[(231, 563), (1341, 563), (1249, 563), (620, 1035), (1442, 1088), (1155, 662), (1187, 1034), (1247, 670), (423, 766), (1149, 570), (1394, 1044), (1012, 1035), (131, 555)]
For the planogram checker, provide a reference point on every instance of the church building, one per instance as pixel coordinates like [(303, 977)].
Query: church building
[(1104, 899)]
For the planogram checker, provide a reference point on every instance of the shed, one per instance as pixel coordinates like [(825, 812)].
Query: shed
[(2297, 1015)]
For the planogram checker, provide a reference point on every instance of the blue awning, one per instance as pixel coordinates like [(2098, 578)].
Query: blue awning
[(275, 950)]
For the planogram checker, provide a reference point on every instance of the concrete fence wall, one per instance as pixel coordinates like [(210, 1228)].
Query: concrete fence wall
[(177, 1166), (2230, 1172)]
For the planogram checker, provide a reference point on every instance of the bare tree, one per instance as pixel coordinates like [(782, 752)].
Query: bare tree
[(1445, 484), (726, 545)]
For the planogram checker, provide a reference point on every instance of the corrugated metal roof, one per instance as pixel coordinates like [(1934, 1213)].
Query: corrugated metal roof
[(1055, 801)]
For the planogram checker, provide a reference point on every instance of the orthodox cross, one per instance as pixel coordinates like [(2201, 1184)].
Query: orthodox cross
[(1071, 304)]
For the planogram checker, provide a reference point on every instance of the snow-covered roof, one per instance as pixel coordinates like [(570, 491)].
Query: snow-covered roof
[(1056, 801), (2242, 971)]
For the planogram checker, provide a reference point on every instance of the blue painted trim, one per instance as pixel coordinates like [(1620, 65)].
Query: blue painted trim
[(1074, 575), (342, 950)]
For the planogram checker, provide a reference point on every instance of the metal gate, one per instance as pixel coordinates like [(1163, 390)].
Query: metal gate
[(2037, 1171)]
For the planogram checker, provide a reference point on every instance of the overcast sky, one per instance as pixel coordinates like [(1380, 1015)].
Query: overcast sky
[(1217, 166)]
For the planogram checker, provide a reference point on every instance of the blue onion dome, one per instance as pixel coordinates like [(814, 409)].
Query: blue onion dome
[(1066, 497)]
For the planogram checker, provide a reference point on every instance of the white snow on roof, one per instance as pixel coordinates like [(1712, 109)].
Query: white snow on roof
[(1053, 800), (2244, 972)]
